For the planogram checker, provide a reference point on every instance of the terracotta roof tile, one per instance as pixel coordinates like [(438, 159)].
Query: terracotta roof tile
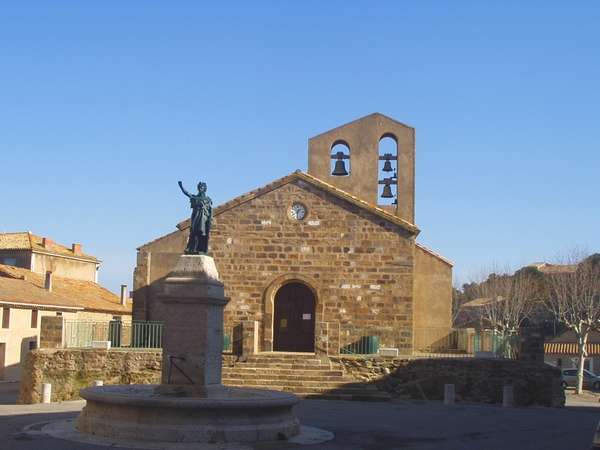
[(21, 286), (562, 348), (29, 241)]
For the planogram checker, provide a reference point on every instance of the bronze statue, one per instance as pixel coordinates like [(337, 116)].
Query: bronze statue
[(201, 205)]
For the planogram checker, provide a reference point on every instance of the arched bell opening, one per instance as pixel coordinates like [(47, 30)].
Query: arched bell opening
[(388, 171), (340, 159)]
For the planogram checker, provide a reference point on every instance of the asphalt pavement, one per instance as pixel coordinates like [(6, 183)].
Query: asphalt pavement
[(371, 425)]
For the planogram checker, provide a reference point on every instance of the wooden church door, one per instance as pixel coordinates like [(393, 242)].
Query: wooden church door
[(294, 324)]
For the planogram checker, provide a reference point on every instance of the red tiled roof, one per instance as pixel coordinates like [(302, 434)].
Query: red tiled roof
[(29, 241), (21, 286), (566, 348)]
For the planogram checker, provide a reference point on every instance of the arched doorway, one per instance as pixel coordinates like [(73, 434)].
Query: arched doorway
[(294, 319)]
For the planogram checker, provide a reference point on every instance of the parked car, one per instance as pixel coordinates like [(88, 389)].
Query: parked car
[(590, 380)]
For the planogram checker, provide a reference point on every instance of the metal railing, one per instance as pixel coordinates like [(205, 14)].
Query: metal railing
[(233, 339), (441, 340), (445, 342), (227, 339), (355, 341), (137, 334)]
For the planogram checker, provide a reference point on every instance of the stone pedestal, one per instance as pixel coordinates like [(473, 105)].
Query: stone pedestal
[(194, 297), (190, 405)]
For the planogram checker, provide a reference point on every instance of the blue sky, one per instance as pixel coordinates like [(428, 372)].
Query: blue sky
[(105, 105)]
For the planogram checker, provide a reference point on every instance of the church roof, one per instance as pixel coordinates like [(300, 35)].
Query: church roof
[(318, 183), (299, 175), (434, 254)]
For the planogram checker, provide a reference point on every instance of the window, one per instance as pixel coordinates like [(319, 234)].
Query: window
[(34, 318), (9, 261), (32, 345), (5, 317)]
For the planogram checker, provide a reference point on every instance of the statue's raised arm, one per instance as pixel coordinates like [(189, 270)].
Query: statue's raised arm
[(183, 189)]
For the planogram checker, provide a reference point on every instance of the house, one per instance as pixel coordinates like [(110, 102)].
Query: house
[(42, 254), (27, 296), (562, 351), (316, 262)]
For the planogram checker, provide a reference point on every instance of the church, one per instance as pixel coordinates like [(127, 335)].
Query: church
[(325, 260)]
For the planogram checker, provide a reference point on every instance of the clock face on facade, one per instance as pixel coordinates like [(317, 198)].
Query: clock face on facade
[(297, 211)]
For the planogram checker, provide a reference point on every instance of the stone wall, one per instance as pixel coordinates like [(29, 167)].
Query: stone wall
[(69, 370), (359, 266), (475, 380)]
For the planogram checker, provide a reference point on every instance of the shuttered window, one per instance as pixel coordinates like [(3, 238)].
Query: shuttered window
[(5, 317)]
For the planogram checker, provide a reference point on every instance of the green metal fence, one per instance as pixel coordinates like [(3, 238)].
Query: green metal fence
[(504, 345), (364, 345), (146, 334), (137, 334)]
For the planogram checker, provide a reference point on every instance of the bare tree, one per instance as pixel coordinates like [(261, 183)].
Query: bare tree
[(503, 301), (507, 300), (574, 299)]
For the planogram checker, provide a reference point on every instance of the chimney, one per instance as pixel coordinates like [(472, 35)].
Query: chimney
[(48, 281), (76, 249), (47, 242), (124, 295)]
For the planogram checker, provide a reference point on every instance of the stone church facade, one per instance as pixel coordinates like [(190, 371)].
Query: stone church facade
[(312, 263)]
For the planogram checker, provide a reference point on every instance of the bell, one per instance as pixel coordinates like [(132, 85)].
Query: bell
[(387, 192), (340, 169), (387, 166)]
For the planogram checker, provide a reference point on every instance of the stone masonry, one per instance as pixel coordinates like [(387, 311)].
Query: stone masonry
[(69, 370), (359, 259), (476, 380), (360, 266)]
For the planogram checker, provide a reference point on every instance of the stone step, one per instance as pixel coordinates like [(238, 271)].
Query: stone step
[(329, 384), (232, 376), (278, 355), (250, 371), (306, 362), (295, 366)]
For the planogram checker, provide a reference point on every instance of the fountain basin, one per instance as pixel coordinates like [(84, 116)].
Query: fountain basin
[(233, 415)]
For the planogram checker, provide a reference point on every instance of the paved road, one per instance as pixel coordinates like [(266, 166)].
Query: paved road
[(377, 426)]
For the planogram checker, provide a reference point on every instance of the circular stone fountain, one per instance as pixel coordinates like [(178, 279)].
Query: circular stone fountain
[(138, 412), (190, 404)]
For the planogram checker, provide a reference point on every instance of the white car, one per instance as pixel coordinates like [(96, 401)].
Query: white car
[(590, 380)]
